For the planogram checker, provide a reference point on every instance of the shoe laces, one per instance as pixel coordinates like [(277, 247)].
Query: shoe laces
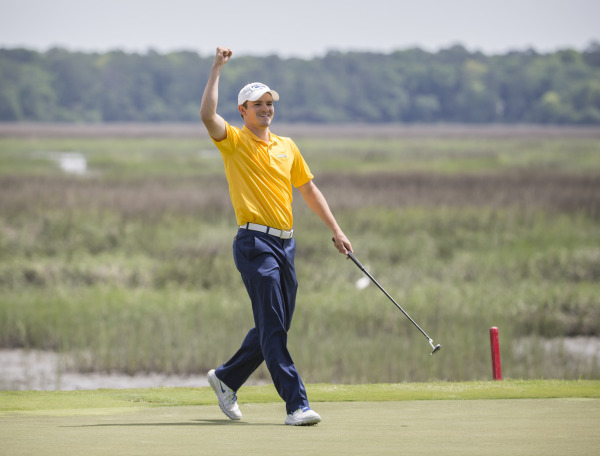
[(232, 397), (301, 410)]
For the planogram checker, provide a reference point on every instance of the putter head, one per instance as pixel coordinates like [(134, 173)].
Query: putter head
[(435, 347)]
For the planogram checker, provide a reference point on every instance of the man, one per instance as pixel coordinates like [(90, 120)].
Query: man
[(261, 169)]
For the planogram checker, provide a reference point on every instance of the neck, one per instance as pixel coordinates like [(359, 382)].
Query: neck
[(261, 133)]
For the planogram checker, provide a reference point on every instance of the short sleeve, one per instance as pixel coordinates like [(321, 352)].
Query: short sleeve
[(300, 174)]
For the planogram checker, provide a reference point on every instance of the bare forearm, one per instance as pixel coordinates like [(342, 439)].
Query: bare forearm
[(208, 109), (210, 98), (318, 204)]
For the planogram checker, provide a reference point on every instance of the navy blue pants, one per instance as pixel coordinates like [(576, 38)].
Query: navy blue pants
[(266, 264)]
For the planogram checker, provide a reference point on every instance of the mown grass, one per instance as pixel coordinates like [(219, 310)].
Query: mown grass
[(40, 401), (129, 268)]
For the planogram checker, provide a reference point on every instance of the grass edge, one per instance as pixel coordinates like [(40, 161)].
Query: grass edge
[(82, 400)]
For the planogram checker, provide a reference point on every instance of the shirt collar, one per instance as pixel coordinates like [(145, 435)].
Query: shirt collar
[(272, 137)]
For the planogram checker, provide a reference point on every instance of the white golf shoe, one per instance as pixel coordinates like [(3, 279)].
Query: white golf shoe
[(227, 397), (303, 417)]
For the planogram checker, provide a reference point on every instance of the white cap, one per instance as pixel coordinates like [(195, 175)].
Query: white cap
[(254, 91)]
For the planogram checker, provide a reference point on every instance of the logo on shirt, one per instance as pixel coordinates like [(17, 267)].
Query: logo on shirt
[(282, 156)]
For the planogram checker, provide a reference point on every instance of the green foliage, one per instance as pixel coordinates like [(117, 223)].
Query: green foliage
[(412, 85), (130, 268)]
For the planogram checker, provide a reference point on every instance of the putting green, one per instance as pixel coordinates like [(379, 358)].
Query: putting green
[(457, 427)]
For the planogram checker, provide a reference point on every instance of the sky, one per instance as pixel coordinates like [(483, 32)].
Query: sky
[(304, 28)]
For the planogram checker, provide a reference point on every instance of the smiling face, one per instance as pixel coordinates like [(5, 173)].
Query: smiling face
[(259, 113)]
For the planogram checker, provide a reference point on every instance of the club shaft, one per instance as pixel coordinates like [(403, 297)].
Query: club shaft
[(362, 268)]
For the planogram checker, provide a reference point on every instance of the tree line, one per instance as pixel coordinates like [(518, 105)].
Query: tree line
[(409, 85)]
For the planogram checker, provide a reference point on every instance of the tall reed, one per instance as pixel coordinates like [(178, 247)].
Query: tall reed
[(130, 269)]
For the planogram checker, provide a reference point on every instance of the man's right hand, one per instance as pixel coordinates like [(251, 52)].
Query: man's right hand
[(223, 55)]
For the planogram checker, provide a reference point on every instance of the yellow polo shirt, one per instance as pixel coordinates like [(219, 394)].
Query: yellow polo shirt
[(261, 176)]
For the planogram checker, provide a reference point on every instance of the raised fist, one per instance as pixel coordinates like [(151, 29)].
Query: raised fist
[(223, 55)]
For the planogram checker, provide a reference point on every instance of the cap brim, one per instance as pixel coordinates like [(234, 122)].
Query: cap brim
[(259, 94)]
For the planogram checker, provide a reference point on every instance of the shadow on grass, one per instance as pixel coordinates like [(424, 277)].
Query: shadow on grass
[(186, 423)]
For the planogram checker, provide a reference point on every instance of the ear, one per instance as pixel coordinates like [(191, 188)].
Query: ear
[(242, 110)]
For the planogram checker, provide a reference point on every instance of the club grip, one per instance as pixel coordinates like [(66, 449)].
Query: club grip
[(356, 262), (353, 258)]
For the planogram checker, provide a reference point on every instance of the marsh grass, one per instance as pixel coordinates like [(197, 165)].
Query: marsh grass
[(130, 269)]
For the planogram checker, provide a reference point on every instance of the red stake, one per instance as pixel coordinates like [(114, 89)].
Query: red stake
[(496, 369)]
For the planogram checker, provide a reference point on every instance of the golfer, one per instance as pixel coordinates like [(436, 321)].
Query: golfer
[(261, 169)]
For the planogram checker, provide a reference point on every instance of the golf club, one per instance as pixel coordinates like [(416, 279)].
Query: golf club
[(362, 268)]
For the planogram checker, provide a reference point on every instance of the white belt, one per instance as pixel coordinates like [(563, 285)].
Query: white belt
[(281, 234)]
